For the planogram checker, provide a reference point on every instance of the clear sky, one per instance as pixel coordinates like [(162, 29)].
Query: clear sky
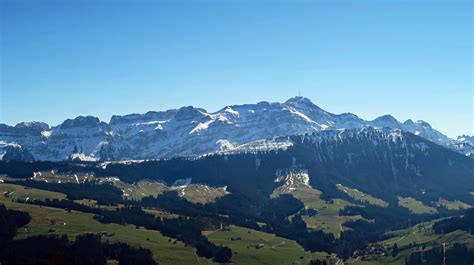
[(409, 58)]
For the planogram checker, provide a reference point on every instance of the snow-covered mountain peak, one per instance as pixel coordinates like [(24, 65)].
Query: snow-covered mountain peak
[(189, 113), (231, 111), (299, 100), (465, 144), (34, 125), (80, 121), (423, 123), (419, 123), (303, 104), (466, 138), (150, 116), (409, 122), (13, 151), (191, 131), (385, 121)]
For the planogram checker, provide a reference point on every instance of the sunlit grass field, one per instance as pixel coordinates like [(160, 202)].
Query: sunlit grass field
[(415, 206), (276, 250), (328, 218), (47, 220), (54, 221), (418, 234), (361, 196)]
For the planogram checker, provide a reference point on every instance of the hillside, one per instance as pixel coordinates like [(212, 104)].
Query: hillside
[(334, 191)]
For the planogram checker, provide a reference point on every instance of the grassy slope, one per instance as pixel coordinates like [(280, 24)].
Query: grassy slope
[(201, 193), (20, 192), (415, 206), (422, 233), (194, 193), (328, 218), (45, 219), (360, 196), (453, 205), (74, 223), (143, 188), (419, 234), (277, 250)]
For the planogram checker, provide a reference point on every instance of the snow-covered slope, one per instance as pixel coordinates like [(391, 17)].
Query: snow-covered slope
[(13, 151), (190, 131), (464, 144)]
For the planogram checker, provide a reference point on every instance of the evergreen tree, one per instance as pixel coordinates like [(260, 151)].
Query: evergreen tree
[(395, 250)]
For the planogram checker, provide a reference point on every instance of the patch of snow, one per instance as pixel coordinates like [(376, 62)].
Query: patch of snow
[(202, 126), (182, 182), (231, 111), (46, 134), (225, 145), (82, 157), (263, 145), (294, 111), (9, 144), (292, 178)]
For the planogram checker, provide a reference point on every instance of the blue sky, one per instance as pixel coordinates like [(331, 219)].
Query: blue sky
[(412, 59)]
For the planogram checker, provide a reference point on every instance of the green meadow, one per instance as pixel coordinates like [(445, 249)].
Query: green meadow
[(415, 206), (274, 250)]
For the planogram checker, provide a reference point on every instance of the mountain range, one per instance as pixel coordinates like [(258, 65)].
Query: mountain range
[(361, 179), (190, 131)]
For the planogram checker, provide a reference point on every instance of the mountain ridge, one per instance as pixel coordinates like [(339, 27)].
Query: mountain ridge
[(175, 132)]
